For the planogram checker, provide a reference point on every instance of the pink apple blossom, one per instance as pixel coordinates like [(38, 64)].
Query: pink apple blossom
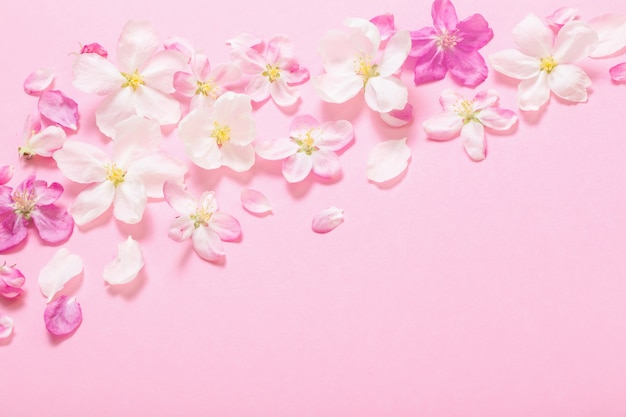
[(33, 200), (469, 118), (544, 63), (142, 84), (59, 109), (11, 281), (201, 222), (310, 146), (451, 46)]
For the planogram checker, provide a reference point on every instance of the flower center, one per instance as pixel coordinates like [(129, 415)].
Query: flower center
[(220, 133), (114, 174), (201, 217), (133, 80), (207, 89), (24, 202), (363, 66), (272, 72), (547, 64), (306, 144), (465, 109), (447, 40)]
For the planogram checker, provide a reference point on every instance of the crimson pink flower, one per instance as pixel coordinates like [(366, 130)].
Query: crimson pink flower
[(33, 200), (451, 46)]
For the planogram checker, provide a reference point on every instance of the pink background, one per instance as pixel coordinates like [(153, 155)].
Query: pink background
[(462, 289)]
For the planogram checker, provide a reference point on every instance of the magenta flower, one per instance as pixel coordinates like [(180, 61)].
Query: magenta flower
[(11, 281), (451, 46), (33, 200)]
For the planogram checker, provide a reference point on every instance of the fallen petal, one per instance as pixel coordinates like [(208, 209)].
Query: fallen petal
[(611, 29), (126, 265), (618, 73), (6, 326), (94, 48), (255, 202), (561, 16), (58, 271), (6, 173), (38, 81), (388, 160), (327, 219), (11, 281), (63, 316), (59, 109)]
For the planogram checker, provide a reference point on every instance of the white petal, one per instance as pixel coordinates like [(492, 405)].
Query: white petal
[(388, 160), (337, 88), (515, 64), (92, 202), (96, 75), (533, 92), (384, 94), (58, 271), (115, 108), (283, 94), (397, 118), (575, 41), (6, 326), (337, 51), (473, 135), (130, 201), (195, 132), (395, 53), (368, 30), (444, 126), (255, 202), (325, 163), (136, 45), (81, 162), (156, 105), (38, 81), (237, 158), (611, 29), (327, 220), (134, 138), (180, 200), (497, 118), (126, 265), (532, 37), (159, 71), (154, 170), (569, 82), (46, 142)]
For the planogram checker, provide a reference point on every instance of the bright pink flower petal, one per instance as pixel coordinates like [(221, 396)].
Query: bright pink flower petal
[(38, 81), (6, 326), (115, 108), (294, 74), (96, 75), (385, 24), (497, 119), (469, 68), (569, 82), (444, 126), (611, 29), (276, 149), (207, 244), (92, 202), (429, 66), (515, 64), (255, 202), (327, 220), (297, 167), (59, 270), (335, 135), (388, 160), (473, 135), (397, 118), (532, 37), (59, 109), (226, 226), (6, 173), (46, 194), (13, 230), (575, 41), (282, 94), (53, 223), (11, 281), (337, 88), (94, 48), (533, 92), (44, 143), (126, 265), (325, 163), (385, 94), (238, 158), (395, 53), (561, 16), (129, 201), (618, 73), (474, 33), (137, 43), (63, 316)]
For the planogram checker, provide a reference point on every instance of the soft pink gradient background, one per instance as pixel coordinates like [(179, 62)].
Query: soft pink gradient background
[(464, 289)]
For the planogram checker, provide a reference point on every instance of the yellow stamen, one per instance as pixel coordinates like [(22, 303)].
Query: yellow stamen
[(207, 89), (201, 217), (220, 133), (271, 72), (548, 64), (465, 109), (114, 174), (364, 67), (24, 202), (133, 80), (307, 144)]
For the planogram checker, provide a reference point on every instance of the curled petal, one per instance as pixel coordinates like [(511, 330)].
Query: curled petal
[(255, 202), (569, 82), (94, 48), (6, 326), (385, 24), (397, 118), (327, 220), (6, 173), (561, 16), (58, 271), (11, 281), (618, 73), (444, 126), (38, 81), (59, 109), (207, 244), (533, 92), (126, 265), (63, 316), (473, 135), (388, 160), (611, 29)]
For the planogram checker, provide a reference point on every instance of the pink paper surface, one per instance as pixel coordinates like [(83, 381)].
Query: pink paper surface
[(461, 289)]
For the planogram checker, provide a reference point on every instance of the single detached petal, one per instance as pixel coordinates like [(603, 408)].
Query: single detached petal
[(515, 64), (11, 281), (38, 81), (397, 118), (327, 220), (532, 37), (59, 271), (618, 73), (63, 316), (53, 223), (473, 135), (126, 265), (533, 92), (569, 82), (611, 29), (385, 24), (561, 16), (6, 326), (44, 143), (575, 41), (255, 202), (388, 160), (207, 244), (6, 173), (59, 109), (444, 126)]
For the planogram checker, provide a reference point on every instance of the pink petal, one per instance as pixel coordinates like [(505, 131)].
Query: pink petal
[(335, 135), (13, 230), (226, 226), (258, 88), (255, 202), (468, 68), (137, 43), (327, 220), (245, 41), (53, 223), (11, 281), (180, 200), (533, 92), (575, 41), (6, 326), (611, 29), (94, 48), (444, 126), (59, 109), (38, 81), (59, 271), (207, 244), (388, 160), (444, 15), (325, 163), (474, 33), (301, 124), (44, 143), (63, 316), (201, 67), (126, 265), (385, 24), (180, 45), (561, 16), (532, 37), (181, 229), (397, 118), (473, 135), (294, 74), (569, 82), (276, 149), (485, 99), (618, 73), (297, 167), (497, 119), (515, 64), (384, 94), (429, 64), (6, 173)]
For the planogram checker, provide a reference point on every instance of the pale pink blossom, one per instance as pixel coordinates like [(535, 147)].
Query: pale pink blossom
[(125, 267), (59, 109), (611, 30), (247, 40), (6, 173), (11, 281), (544, 63), (310, 146), (6, 326), (274, 71), (142, 84), (33, 200), (38, 81), (63, 316), (135, 171), (561, 16), (255, 202), (327, 220), (60, 269), (469, 118), (388, 160), (221, 136), (352, 64), (37, 141), (201, 222)]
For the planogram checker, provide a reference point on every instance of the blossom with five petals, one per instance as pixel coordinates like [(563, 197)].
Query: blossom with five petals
[(33, 200), (201, 221), (221, 136), (469, 117), (141, 86), (274, 70), (451, 46), (544, 62), (135, 172), (351, 64), (311, 145)]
